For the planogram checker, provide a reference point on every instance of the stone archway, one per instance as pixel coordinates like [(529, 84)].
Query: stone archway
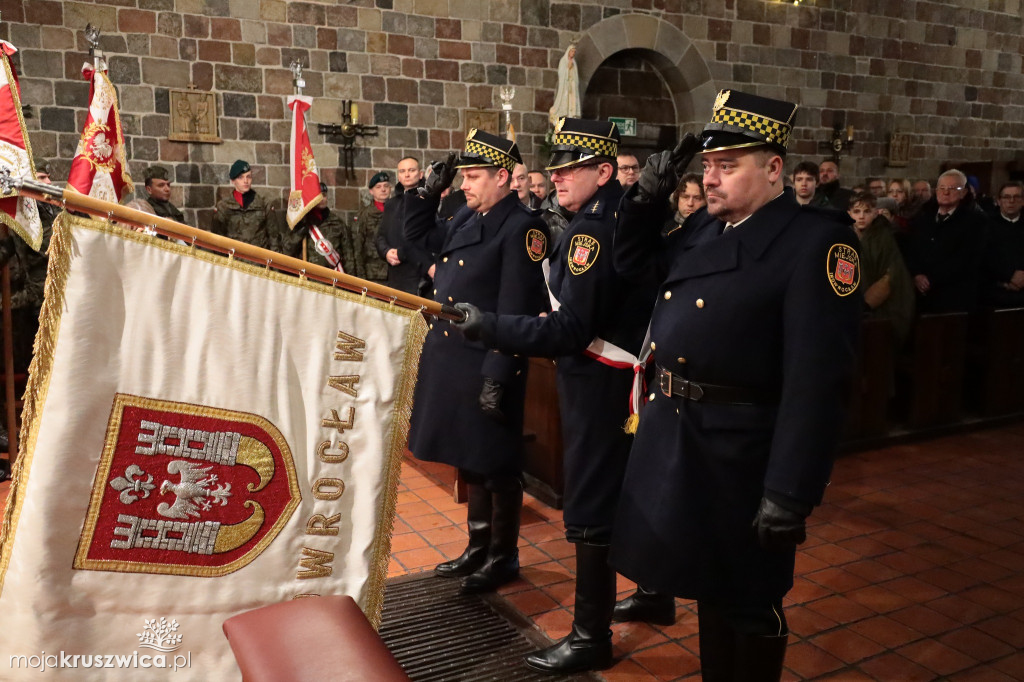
[(667, 48)]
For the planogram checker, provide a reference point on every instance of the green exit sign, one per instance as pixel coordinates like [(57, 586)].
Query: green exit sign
[(627, 126)]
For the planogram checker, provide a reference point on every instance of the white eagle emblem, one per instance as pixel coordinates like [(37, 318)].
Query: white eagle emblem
[(193, 492)]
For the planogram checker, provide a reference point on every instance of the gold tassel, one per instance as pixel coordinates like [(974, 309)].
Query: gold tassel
[(632, 423), (57, 271)]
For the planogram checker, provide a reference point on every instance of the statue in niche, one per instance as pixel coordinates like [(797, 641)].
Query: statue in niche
[(567, 96)]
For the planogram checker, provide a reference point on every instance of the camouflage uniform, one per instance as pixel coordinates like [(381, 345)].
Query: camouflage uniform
[(359, 247), (254, 224), (331, 226), (166, 209)]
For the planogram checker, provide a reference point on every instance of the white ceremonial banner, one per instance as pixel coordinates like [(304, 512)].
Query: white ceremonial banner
[(202, 437)]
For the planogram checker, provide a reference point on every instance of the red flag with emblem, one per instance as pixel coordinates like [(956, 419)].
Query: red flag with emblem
[(16, 212), (305, 189), (99, 168)]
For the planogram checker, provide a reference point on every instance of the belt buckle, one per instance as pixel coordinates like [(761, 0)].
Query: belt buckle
[(665, 382)]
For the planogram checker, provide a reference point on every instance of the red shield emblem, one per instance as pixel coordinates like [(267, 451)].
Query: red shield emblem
[(186, 489), (581, 255), (844, 271), (537, 246)]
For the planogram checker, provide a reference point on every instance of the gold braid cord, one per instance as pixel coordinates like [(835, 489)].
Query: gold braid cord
[(39, 371)]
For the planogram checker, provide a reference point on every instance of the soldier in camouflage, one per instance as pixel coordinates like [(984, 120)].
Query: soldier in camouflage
[(358, 246), (244, 215), (158, 189)]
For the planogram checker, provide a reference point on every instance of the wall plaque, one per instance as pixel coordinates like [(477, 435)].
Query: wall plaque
[(899, 150), (481, 119), (193, 116)]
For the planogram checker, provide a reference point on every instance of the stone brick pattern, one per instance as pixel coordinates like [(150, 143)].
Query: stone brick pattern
[(949, 73)]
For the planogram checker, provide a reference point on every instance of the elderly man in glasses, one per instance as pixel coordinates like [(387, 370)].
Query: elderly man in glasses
[(946, 248)]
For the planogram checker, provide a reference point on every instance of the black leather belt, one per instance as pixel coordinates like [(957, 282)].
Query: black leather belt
[(674, 386)]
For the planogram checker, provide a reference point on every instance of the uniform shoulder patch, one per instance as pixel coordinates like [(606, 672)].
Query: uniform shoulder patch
[(843, 269), (536, 244), (583, 250)]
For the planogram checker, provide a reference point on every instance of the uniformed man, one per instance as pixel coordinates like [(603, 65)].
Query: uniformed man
[(595, 330), (329, 238), (158, 189), (244, 215), (359, 244), (410, 268), (753, 339), (468, 405)]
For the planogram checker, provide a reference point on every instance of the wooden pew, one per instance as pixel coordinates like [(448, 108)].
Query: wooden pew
[(872, 384), (542, 433), (933, 375), (996, 374)]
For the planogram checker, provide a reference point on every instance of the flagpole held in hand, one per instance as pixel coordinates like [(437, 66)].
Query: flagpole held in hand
[(71, 200)]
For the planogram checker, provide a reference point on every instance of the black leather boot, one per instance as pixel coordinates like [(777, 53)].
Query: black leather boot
[(646, 607), (717, 645), (760, 658), (478, 519), (502, 564), (589, 645)]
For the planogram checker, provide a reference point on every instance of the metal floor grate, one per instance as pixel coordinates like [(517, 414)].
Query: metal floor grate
[(438, 634)]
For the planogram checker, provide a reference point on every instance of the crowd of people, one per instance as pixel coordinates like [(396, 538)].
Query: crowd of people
[(709, 283)]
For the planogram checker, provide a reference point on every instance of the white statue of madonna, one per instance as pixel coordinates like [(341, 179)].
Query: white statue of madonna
[(567, 96)]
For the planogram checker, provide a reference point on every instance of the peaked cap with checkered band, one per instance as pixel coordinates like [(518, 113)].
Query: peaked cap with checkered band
[(739, 119), (576, 140), (486, 150)]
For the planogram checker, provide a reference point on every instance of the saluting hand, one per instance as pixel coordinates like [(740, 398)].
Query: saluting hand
[(442, 173), (661, 173)]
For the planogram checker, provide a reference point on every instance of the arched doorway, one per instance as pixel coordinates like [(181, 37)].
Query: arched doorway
[(657, 54)]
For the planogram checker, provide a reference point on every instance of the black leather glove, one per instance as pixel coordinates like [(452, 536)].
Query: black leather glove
[(472, 325), (661, 173), (441, 175), (684, 152), (779, 528), (490, 400)]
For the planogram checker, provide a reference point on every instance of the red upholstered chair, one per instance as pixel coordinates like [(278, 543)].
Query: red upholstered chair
[(315, 639)]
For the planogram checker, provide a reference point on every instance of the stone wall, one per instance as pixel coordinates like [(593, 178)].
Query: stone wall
[(949, 75)]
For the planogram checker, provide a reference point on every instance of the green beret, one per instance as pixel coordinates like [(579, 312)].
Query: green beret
[(237, 168), (379, 176)]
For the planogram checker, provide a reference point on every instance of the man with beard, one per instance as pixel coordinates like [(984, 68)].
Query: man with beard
[(595, 330), (468, 407)]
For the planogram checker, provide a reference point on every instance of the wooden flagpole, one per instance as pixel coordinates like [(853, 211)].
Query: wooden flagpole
[(71, 200)]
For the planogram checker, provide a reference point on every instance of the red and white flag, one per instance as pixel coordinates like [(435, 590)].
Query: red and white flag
[(305, 190), (99, 168), (18, 213)]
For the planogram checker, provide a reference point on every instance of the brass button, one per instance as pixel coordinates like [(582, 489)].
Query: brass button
[(446, 333), (681, 361), (651, 397), (435, 292), (668, 295), (654, 346), (461, 262), (445, 259), (700, 302), (431, 326), (449, 299)]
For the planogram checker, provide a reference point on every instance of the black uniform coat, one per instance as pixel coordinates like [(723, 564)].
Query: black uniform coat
[(493, 262), (754, 307), (411, 272), (950, 254), (593, 397)]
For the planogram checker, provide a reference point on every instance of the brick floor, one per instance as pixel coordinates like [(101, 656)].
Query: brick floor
[(913, 569)]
